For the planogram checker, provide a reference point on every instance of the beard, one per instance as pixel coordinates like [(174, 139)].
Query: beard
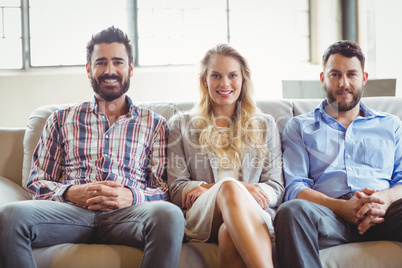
[(109, 95), (344, 106)]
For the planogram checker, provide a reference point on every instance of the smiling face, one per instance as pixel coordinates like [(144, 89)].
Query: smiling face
[(223, 81), (343, 80), (110, 71)]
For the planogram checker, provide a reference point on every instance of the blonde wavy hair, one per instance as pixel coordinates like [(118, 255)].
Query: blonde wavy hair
[(245, 132)]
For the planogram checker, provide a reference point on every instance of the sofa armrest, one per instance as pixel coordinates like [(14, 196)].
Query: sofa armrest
[(11, 192), (11, 154)]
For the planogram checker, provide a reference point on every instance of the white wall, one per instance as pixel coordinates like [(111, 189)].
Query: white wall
[(268, 41), (22, 92), (271, 34), (388, 39)]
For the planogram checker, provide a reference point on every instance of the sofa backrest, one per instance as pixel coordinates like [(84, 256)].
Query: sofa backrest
[(39, 116), (282, 110), (11, 155)]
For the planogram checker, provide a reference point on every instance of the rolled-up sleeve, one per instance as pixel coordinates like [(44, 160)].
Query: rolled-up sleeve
[(295, 160)]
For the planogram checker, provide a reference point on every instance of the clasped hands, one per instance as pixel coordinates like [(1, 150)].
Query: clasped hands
[(366, 209), (100, 195)]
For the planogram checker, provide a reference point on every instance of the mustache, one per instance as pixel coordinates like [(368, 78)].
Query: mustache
[(106, 76), (344, 90)]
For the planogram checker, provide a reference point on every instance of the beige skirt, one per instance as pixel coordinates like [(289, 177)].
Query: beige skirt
[(199, 217)]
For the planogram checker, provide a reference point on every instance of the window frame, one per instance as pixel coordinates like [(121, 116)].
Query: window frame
[(132, 7), (133, 32)]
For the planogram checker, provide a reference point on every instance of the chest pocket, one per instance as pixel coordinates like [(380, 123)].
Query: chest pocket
[(376, 153)]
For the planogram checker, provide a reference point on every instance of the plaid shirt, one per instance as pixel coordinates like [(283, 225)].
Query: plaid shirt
[(78, 146)]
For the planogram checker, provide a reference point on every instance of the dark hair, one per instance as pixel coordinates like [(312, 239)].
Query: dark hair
[(347, 49), (108, 36)]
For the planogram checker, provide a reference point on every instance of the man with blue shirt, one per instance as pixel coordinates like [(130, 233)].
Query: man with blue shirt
[(342, 166)]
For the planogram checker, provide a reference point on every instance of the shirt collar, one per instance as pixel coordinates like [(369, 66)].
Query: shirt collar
[(367, 112), (95, 106)]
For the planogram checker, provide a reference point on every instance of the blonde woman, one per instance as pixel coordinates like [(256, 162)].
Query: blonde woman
[(225, 164)]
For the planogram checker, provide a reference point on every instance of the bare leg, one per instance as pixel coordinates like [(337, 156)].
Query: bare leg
[(229, 256), (248, 234)]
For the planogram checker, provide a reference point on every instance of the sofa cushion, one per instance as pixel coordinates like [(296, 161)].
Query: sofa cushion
[(11, 153), (199, 255), (194, 255), (389, 105), (281, 111), (362, 255), (87, 256), (11, 192)]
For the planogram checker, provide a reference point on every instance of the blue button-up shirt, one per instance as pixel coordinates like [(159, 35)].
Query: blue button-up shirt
[(319, 153)]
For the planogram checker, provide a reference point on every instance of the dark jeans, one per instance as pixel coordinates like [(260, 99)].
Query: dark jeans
[(158, 227), (302, 228)]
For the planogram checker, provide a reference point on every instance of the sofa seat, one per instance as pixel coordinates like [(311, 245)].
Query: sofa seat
[(198, 255), (17, 146)]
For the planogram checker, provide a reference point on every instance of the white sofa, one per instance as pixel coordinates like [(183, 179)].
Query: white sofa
[(16, 148)]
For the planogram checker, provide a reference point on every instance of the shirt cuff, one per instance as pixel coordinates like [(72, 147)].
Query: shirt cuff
[(138, 196), (59, 194)]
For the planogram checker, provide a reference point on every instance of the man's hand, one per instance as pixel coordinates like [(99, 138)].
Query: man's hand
[(365, 209), (259, 196), (371, 213), (103, 196), (355, 209)]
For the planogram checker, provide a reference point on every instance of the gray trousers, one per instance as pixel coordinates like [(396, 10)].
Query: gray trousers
[(158, 227), (302, 228)]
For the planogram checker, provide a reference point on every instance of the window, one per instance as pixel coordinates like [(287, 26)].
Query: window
[(59, 30), (176, 32), (38, 33), (10, 35), (380, 38)]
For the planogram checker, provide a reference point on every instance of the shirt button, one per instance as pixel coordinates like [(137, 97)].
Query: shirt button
[(105, 155), (348, 156), (348, 136), (107, 136), (349, 169)]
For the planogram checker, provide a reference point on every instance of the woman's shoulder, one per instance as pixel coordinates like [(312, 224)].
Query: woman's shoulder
[(179, 118), (264, 118)]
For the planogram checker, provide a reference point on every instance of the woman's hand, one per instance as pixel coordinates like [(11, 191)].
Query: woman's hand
[(259, 196), (192, 195)]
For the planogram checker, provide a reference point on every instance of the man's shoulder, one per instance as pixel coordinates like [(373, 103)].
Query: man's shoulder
[(304, 116), (66, 109), (148, 114)]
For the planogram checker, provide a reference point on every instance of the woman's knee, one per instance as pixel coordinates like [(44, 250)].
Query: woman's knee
[(229, 190), (230, 185)]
